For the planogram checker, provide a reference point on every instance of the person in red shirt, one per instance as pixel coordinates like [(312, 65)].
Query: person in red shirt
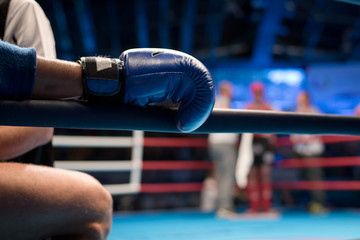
[(259, 189)]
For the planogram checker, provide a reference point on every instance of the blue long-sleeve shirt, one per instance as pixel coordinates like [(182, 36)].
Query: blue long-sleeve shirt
[(17, 71)]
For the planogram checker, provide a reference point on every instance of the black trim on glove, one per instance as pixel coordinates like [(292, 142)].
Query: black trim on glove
[(102, 79)]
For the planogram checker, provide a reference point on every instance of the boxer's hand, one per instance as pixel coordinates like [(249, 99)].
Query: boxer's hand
[(144, 76)]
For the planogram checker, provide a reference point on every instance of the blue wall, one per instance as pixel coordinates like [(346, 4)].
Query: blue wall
[(333, 88), (281, 84)]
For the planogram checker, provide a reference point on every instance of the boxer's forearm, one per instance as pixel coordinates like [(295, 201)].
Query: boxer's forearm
[(24, 75), (15, 141), (57, 79)]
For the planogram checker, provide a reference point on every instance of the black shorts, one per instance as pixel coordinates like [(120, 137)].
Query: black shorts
[(263, 153), (42, 155)]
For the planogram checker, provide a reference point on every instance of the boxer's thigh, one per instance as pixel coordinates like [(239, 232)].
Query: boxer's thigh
[(37, 202)]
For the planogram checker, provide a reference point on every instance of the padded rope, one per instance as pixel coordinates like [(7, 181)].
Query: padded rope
[(76, 114)]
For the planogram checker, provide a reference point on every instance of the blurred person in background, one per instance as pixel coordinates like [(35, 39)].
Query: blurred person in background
[(223, 153), (306, 147), (357, 110), (23, 23), (259, 189), (356, 169)]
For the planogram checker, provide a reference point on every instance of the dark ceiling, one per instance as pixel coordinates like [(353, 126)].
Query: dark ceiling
[(259, 31)]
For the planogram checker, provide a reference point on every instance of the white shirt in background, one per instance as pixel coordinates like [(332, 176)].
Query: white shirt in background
[(223, 138), (38, 34)]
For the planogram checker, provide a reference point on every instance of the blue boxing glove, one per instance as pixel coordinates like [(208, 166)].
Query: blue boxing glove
[(146, 76)]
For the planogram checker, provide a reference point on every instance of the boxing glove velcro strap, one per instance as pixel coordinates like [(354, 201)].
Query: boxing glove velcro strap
[(101, 77)]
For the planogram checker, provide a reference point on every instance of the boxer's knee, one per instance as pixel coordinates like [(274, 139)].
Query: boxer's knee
[(105, 209), (88, 209), (99, 205)]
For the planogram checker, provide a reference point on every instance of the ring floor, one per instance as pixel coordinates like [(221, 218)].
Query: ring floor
[(192, 224)]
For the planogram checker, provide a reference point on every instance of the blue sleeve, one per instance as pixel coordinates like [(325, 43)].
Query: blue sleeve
[(17, 71)]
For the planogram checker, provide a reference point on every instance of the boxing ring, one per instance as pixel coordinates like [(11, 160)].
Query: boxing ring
[(293, 225), (193, 224)]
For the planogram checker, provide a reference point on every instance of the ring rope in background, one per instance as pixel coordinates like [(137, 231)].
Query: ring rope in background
[(168, 165)]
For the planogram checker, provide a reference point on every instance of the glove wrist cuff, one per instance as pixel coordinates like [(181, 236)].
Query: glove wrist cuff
[(101, 77)]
